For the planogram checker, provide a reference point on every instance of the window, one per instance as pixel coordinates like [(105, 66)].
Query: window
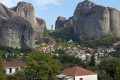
[(81, 78), (10, 70), (16, 69)]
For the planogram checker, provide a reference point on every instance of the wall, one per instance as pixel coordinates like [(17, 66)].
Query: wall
[(13, 70), (87, 77)]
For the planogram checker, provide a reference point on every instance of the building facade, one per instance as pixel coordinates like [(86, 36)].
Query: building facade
[(77, 73), (12, 66)]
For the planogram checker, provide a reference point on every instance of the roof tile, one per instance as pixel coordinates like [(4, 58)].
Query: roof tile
[(77, 71), (13, 64)]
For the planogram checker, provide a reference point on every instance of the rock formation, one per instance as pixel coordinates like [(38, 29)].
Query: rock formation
[(63, 22), (15, 31), (91, 21), (26, 10)]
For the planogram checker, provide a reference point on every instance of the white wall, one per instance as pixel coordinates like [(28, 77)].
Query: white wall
[(13, 70), (65, 76), (87, 77)]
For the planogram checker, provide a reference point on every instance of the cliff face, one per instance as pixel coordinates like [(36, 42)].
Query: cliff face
[(26, 10), (15, 31), (63, 22), (91, 21)]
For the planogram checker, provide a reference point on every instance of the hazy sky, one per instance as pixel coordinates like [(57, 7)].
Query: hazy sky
[(49, 10)]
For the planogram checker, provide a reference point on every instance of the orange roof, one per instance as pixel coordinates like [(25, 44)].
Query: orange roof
[(13, 64), (77, 71)]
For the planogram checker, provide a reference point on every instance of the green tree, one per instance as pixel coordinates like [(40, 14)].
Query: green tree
[(92, 62), (68, 61), (103, 76), (109, 65), (117, 74), (19, 75), (41, 66), (2, 71), (10, 77)]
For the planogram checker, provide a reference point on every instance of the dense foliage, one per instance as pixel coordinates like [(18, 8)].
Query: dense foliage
[(11, 51), (63, 34), (109, 65), (105, 41), (115, 54), (19, 75), (68, 61), (41, 66), (2, 71), (117, 73)]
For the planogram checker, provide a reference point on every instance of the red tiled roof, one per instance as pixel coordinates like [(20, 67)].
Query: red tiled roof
[(77, 71), (13, 64)]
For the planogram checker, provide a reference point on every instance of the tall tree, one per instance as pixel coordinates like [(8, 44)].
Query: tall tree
[(41, 66), (110, 65), (92, 62), (117, 74), (2, 71)]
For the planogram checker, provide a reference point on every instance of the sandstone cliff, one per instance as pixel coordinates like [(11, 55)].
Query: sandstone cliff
[(26, 10), (91, 21), (15, 31)]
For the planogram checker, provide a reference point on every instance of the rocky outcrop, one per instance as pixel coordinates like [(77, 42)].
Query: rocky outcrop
[(91, 21), (114, 21), (15, 31), (63, 22), (26, 10), (60, 22)]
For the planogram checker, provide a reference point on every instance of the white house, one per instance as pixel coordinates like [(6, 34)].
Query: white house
[(77, 73), (12, 66)]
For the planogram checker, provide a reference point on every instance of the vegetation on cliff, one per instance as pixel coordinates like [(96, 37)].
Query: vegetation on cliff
[(63, 34), (66, 34)]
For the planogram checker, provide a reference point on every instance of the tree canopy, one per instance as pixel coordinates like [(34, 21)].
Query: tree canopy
[(105, 41), (109, 65), (41, 66), (68, 61), (2, 71)]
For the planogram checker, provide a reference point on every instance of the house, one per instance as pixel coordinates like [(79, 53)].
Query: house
[(77, 73), (12, 66)]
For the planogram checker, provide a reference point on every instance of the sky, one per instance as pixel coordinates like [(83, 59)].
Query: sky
[(49, 10)]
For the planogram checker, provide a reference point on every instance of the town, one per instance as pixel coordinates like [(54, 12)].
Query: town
[(83, 53)]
